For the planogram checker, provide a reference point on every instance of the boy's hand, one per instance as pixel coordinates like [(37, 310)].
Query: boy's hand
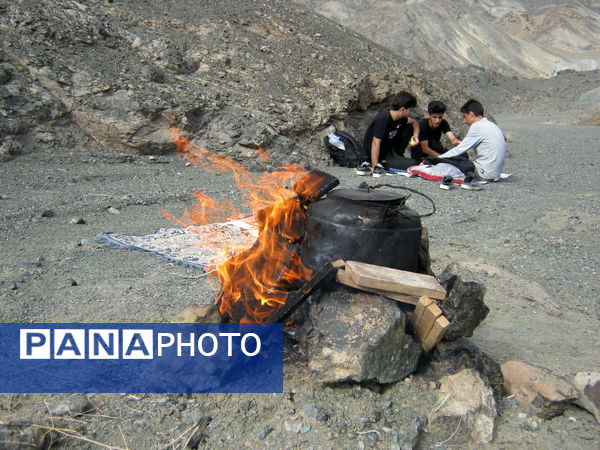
[(413, 141)]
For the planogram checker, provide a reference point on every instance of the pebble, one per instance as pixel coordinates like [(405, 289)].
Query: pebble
[(113, 210), (265, 432), (77, 221), (292, 426), (76, 404), (196, 415)]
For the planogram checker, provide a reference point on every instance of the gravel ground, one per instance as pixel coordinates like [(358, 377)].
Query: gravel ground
[(533, 240)]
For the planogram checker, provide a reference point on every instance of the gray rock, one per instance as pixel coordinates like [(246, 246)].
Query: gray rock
[(73, 405), (19, 434), (463, 305), (5, 75), (406, 433), (359, 336), (77, 221), (588, 385), (466, 404), (450, 357), (265, 432), (46, 213), (8, 148)]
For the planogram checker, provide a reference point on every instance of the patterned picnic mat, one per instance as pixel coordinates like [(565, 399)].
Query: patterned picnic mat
[(201, 246)]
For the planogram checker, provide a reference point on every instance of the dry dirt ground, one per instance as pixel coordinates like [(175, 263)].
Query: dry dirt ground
[(533, 240)]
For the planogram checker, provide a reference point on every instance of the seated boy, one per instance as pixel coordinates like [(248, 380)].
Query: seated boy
[(431, 133), (486, 139), (388, 135)]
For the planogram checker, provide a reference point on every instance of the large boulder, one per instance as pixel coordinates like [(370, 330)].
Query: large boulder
[(360, 337), (450, 357), (466, 404), (537, 388), (463, 305), (588, 385)]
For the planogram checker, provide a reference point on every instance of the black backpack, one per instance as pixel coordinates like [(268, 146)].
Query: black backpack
[(353, 154)]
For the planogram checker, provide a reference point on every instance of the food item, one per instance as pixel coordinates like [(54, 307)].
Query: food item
[(413, 141)]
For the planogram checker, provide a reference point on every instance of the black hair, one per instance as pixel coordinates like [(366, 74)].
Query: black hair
[(436, 107), (472, 106), (404, 100)]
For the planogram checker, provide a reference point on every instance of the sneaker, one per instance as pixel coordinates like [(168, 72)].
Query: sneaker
[(472, 186), (378, 171), (364, 169), (446, 183)]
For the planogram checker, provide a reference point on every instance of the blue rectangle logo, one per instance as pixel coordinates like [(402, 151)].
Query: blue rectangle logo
[(141, 357)]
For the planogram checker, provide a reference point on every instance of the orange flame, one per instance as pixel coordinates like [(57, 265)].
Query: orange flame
[(257, 281)]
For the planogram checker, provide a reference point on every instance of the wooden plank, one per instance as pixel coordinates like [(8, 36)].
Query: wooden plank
[(394, 280), (425, 323), (436, 333), (343, 278), (422, 305)]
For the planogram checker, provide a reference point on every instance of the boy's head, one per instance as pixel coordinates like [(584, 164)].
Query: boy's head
[(472, 111), (404, 103), (436, 110)]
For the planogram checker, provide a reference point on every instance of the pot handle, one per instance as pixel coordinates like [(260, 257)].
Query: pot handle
[(364, 185)]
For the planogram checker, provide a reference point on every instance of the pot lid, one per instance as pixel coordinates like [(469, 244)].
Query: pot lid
[(369, 195)]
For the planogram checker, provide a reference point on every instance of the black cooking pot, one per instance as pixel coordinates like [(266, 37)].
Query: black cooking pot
[(364, 225)]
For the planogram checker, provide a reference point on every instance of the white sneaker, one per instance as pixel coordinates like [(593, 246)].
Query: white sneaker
[(364, 169), (378, 171), (472, 186), (446, 183)]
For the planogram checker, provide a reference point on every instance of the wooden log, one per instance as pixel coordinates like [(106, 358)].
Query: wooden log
[(422, 305), (436, 333), (295, 298), (343, 278), (394, 280), (425, 323)]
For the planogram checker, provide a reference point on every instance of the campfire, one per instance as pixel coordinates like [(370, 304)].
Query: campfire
[(257, 282), (360, 255)]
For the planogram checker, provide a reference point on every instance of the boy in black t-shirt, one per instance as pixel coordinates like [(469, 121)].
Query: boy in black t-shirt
[(431, 133), (388, 135)]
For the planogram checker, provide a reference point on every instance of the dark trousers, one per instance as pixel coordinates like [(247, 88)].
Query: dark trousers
[(399, 162), (395, 157), (464, 164)]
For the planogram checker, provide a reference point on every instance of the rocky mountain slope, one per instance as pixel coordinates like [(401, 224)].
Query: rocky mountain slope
[(515, 37), (100, 75)]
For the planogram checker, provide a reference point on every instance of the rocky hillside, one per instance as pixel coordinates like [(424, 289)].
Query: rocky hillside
[(515, 37), (99, 75)]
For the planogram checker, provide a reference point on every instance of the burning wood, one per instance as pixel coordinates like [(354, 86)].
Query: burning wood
[(297, 297), (257, 282)]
